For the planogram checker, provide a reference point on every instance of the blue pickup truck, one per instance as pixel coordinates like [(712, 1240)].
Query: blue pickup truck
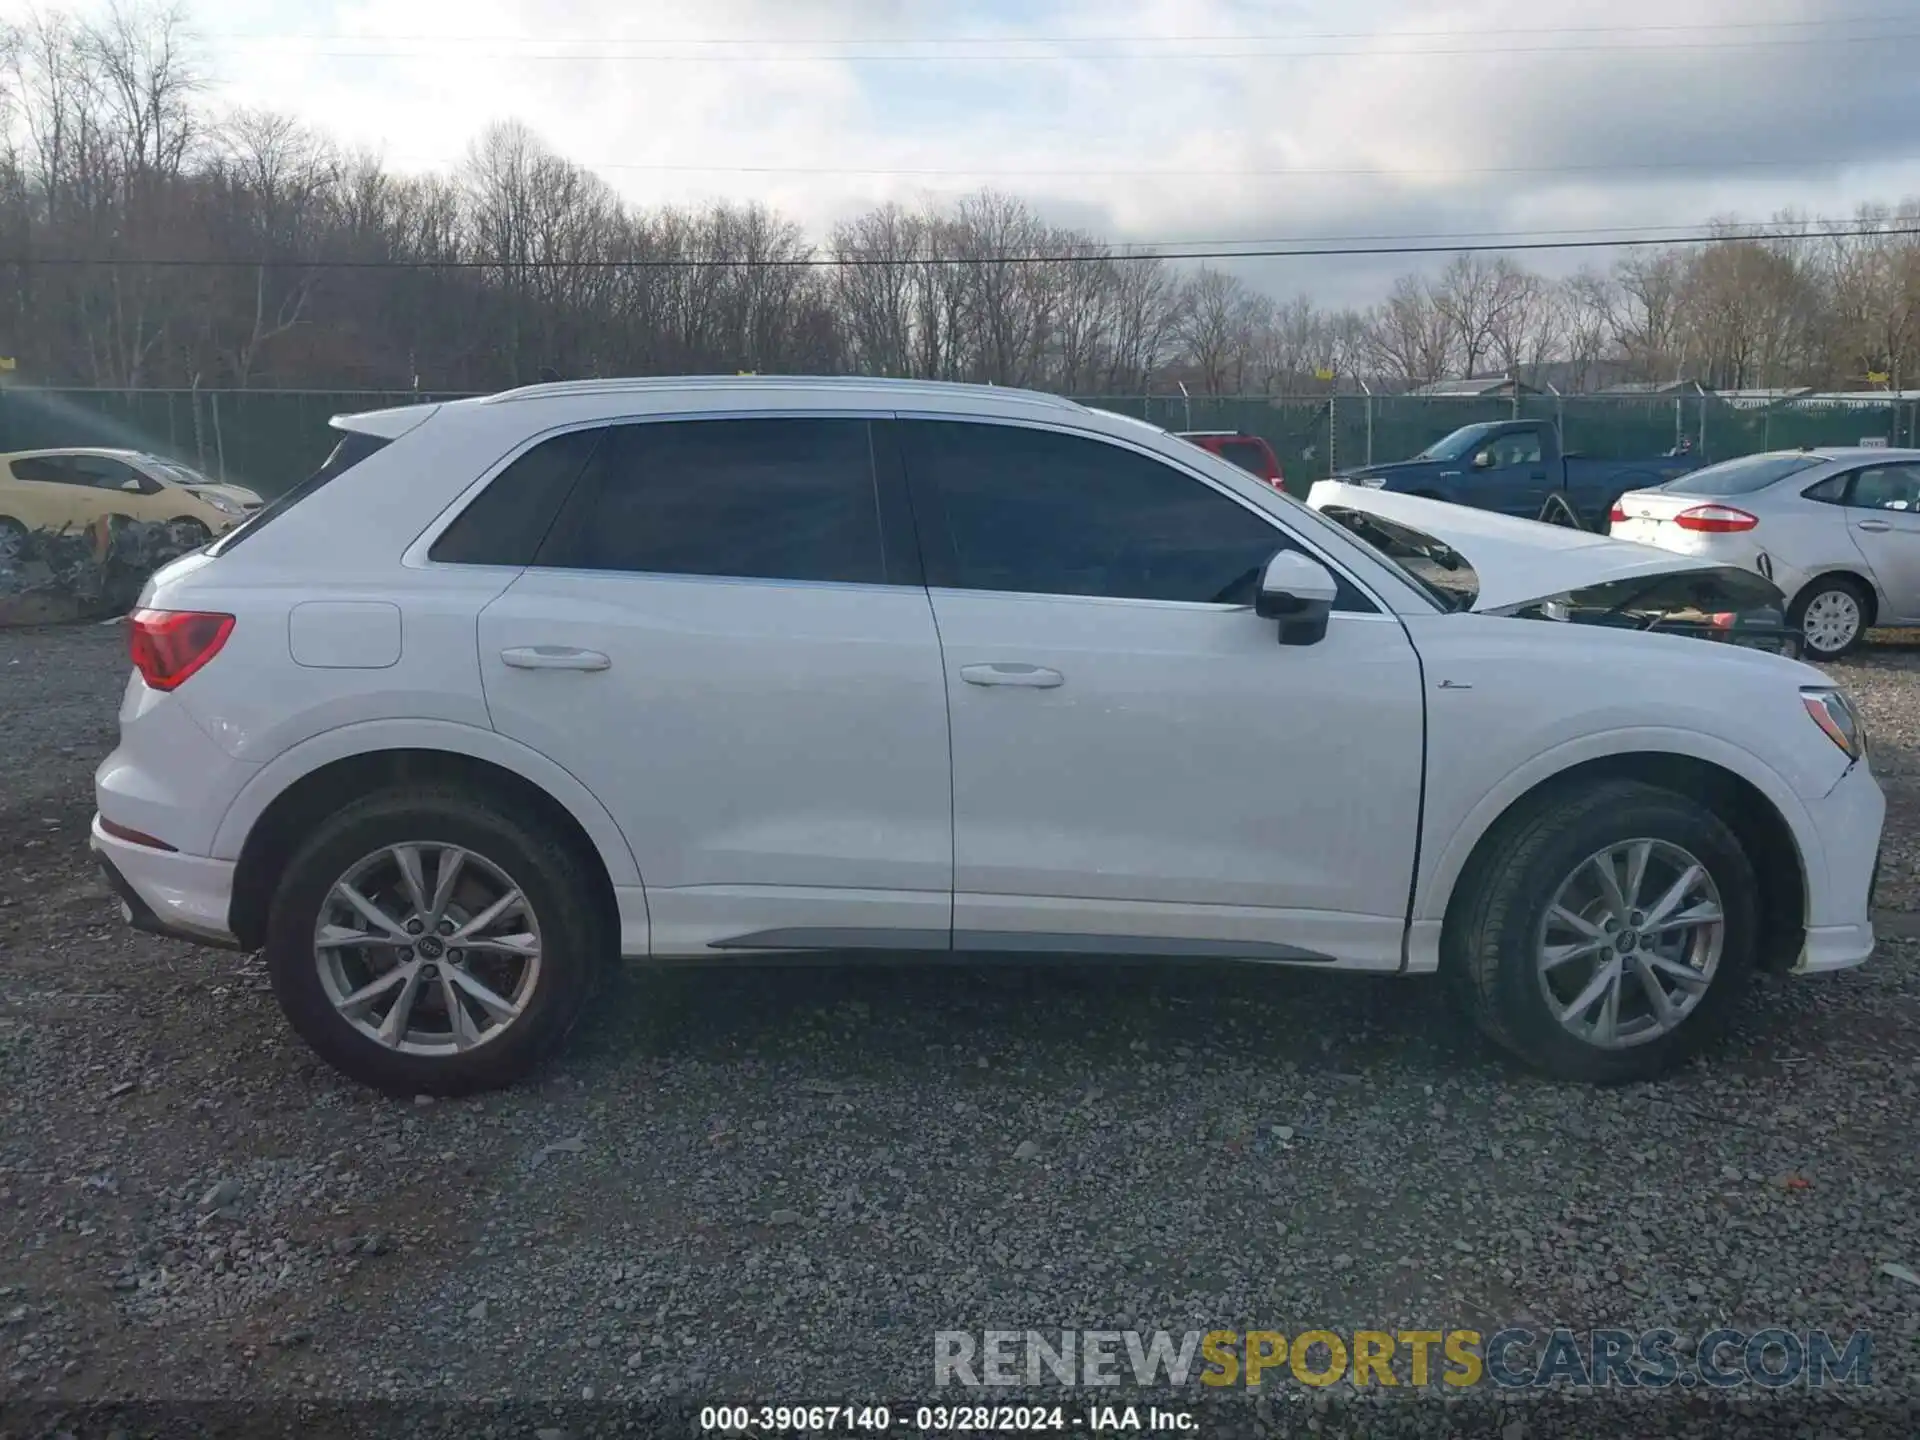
[(1517, 468)]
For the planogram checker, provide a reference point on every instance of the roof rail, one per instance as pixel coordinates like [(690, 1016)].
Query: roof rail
[(639, 384)]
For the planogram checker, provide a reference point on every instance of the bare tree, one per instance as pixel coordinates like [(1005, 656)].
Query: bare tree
[(1219, 316), (1409, 339), (1646, 318), (1485, 302), (330, 268)]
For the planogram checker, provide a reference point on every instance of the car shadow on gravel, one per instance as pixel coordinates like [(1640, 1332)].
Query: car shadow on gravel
[(1090, 1014)]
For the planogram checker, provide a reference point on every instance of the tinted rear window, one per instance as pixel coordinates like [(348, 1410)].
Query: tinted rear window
[(1743, 476), (352, 449), (1247, 454), (788, 499)]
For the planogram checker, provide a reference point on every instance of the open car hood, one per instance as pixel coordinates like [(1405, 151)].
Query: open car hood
[(1518, 562)]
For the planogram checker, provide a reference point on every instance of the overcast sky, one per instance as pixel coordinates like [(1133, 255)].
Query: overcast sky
[(1278, 120)]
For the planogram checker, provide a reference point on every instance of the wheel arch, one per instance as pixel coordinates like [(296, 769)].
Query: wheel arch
[(263, 825), (1843, 572), (1753, 802)]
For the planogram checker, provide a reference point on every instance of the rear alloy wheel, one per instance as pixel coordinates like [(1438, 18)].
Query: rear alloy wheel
[(428, 949), (13, 541), (1608, 934), (1831, 616), (430, 943)]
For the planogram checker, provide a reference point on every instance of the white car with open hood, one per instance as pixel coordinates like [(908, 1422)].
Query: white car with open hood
[(747, 667)]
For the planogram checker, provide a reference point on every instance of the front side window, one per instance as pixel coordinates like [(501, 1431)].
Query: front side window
[(1455, 446), (1008, 508), (771, 499), (1516, 449), (105, 473)]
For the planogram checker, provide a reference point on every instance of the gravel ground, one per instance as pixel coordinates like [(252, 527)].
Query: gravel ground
[(777, 1184)]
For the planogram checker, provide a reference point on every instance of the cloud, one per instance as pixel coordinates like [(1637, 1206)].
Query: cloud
[(1136, 118)]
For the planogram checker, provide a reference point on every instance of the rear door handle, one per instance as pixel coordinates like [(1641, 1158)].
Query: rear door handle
[(553, 657), (1033, 677), (1875, 525)]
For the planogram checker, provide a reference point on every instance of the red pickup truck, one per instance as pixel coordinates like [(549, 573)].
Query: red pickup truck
[(1249, 452)]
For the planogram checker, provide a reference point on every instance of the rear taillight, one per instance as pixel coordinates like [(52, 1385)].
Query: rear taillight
[(1617, 514), (167, 646), (1715, 519)]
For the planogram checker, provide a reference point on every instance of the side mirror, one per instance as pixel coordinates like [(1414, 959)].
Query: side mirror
[(133, 486), (1297, 591), (1483, 461)]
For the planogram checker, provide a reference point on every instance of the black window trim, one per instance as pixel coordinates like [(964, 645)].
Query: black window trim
[(899, 545), (940, 564)]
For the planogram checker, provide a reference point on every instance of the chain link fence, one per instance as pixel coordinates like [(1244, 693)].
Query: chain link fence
[(269, 439)]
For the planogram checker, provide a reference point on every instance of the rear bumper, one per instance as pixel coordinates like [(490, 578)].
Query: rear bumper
[(184, 897)]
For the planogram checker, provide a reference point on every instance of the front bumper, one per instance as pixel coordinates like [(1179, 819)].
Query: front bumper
[(1841, 880), (184, 897)]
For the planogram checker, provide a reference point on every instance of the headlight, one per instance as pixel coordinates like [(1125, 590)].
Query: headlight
[(1372, 482), (222, 504), (1832, 712)]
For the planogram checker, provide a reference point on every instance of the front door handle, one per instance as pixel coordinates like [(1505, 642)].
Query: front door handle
[(1033, 677), (553, 657), (1874, 525)]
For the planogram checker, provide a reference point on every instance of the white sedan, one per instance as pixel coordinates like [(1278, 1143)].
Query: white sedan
[(1838, 530)]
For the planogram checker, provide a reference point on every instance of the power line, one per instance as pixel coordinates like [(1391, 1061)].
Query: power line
[(815, 261), (600, 52), (1182, 172), (1709, 27)]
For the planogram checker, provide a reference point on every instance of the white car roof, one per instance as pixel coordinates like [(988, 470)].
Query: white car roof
[(590, 399)]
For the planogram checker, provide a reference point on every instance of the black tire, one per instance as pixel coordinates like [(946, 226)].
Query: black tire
[(1490, 948), (575, 940), (1814, 594), (189, 532)]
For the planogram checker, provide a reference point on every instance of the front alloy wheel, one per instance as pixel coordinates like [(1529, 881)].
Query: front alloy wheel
[(1605, 931), (1630, 943)]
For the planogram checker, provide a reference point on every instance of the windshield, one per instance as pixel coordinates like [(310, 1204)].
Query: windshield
[(1743, 476), (174, 474), (1456, 445), (1435, 567)]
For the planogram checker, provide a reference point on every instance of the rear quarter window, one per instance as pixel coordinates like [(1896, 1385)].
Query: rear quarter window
[(506, 522)]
